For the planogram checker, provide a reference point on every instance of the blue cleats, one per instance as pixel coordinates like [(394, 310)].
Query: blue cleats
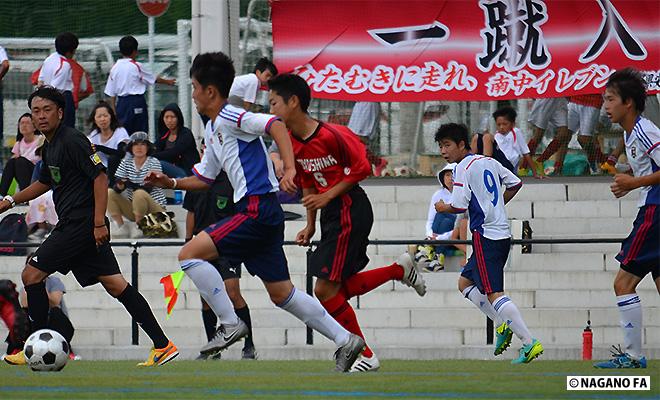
[(621, 360), (528, 352), (503, 334)]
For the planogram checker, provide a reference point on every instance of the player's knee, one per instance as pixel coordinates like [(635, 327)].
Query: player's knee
[(30, 276)]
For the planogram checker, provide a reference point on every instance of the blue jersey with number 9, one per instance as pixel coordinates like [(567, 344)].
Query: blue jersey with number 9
[(479, 183)]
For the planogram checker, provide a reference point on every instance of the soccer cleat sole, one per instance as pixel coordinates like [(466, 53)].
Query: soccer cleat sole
[(168, 358)]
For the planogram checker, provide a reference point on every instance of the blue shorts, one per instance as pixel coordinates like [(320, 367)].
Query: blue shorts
[(486, 265), (132, 113), (254, 236), (640, 251)]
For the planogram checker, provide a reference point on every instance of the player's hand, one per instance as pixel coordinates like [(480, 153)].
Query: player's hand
[(4, 206), (158, 179), (622, 185), (286, 183), (304, 236), (440, 206), (315, 201), (101, 234)]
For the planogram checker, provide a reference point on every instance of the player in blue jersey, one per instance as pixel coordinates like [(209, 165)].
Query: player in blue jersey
[(255, 234), (478, 184), (625, 97)]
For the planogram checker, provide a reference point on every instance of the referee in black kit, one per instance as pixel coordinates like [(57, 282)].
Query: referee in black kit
[(80, 241)]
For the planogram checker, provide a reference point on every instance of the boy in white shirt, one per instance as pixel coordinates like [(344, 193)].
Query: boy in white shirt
[(511, 140), (56, 72), (127, 82), (244, 89)]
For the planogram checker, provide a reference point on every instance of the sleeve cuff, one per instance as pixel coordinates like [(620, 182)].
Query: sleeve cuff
[(270, 122), (202, 177)]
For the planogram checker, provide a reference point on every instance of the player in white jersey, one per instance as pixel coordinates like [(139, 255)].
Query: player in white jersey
[(255, 234), (478, 184), (625, 97)]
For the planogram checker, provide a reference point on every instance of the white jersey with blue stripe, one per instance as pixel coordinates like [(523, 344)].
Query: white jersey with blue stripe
[(478, 184), (643, 151), (234, 144)]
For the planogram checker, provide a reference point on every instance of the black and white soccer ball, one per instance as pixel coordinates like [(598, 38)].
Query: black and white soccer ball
[(46, 350)]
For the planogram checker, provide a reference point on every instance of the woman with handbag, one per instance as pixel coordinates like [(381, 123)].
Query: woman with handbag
[(130, 197)]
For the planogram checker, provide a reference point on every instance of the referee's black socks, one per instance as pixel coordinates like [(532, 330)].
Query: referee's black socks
[(137, 306), (37, 305)]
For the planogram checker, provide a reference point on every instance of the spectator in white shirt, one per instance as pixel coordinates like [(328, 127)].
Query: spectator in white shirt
[(244, 89), (127, 82), (511, 140), (57, 72), (108, 137)]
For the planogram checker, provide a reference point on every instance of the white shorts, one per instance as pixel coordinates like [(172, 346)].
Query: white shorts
[(549, 112), (582, 119)]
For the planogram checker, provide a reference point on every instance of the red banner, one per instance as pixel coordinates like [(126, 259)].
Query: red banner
[(380, 50)]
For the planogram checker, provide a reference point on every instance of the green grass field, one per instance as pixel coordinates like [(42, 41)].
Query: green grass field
[(312, 379)]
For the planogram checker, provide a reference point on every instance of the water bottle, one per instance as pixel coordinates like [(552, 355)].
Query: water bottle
[(178, 197), (587, 342)]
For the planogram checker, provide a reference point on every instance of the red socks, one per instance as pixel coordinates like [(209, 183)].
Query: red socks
[(342, 311), (367, 281)]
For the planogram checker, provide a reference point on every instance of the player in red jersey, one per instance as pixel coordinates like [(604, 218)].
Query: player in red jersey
[(331, 161)]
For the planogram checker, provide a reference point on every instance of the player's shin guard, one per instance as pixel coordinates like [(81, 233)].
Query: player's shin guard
[(630, 315), (509, 312), (342, 312), (480, 300), (137, 306), (367, 281), (311, 312), (59, 322), (244, 314), (212, 288), (37, 305)]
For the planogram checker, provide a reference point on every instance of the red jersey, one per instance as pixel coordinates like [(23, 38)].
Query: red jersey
[(589, 100), (333, 153)]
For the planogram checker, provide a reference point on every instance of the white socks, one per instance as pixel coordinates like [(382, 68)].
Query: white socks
[(480, 300), (311, 312), (510, 313), (630, 313), (212, 288)]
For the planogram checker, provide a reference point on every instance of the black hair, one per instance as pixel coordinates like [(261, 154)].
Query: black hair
[(66, 42), (629, 83), (215, 69), (50, 93), (287, 85), (265, 64), (507, 112), (19, 135), (162, 128), (454, 132), (127, 45), (114, 122)]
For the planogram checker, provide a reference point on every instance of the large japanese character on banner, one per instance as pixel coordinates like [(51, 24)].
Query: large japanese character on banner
[(513, 38)]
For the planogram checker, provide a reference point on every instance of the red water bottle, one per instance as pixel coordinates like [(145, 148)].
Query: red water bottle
[(587, 342)]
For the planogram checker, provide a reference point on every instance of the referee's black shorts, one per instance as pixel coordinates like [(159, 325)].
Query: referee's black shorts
[(345, 226), (71, 247)]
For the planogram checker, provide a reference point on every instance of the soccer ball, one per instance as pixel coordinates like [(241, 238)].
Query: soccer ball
[(46, 350)]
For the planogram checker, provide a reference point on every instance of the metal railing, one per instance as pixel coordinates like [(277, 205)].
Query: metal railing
[(309, 280)]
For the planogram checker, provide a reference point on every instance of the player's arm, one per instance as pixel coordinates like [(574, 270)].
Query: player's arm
[(624, 183), (314, 201), (305, 235), (101, 234), (31, 192), (4, 67), (161, 180), (510, 181), (280, 134)]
